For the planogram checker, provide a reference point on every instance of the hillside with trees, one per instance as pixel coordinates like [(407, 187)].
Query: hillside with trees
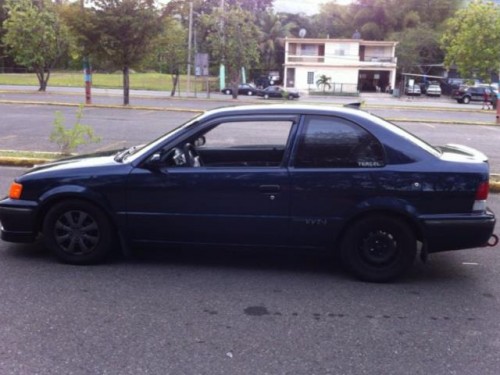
[(148, 35)]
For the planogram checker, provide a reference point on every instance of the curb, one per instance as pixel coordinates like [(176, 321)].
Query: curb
[(110, 106)]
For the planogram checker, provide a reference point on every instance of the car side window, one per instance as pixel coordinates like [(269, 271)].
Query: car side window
[(245, 144), (333, 142)]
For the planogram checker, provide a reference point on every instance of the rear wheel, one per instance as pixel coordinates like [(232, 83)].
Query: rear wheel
[(378, 248), (466, 100), (228, 92), (266, 96), (249, 93), (78, 232)]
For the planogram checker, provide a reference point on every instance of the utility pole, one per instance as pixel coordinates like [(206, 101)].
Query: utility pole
[(222, 69), (87, 69), (190, 37)]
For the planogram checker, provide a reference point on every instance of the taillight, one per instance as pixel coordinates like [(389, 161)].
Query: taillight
[(482, 191), (481, 195), (15, 190)]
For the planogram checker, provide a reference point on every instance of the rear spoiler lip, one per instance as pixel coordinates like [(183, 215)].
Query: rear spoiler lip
[(465, 150)]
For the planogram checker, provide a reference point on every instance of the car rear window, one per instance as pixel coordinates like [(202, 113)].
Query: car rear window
[(333, 142)]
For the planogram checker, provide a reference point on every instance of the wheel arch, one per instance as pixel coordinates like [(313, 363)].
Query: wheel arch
[(73, 192)]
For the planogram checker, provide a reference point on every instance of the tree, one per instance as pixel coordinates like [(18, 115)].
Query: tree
[(324, 81), (233, 40), (417, 47), (119, 32), (334, 21), (35, 36), (171, 49), (273, 33), (472, 40)]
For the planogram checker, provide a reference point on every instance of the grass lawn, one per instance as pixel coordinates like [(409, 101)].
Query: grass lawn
[(138, 81)]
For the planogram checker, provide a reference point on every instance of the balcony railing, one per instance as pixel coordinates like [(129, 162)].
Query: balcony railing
[(382, 59), (306, 59), (322, 59)]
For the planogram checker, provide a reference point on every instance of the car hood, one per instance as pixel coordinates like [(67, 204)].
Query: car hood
[(82, 161), (455, 152)]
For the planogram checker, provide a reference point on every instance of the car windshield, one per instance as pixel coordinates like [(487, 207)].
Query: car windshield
[(137, 152), (407, 135)]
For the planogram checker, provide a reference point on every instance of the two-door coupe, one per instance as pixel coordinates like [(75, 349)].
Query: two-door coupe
[(312, 177)]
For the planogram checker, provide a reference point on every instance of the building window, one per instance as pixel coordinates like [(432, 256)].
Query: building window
[(309, 50), (310, 78)]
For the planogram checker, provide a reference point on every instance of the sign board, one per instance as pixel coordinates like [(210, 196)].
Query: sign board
[(201, 64)]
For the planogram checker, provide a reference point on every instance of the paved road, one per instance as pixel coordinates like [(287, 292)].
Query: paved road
[(194, 311), (27, 126)]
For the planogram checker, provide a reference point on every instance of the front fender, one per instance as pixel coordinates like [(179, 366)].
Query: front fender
[(64, 192)]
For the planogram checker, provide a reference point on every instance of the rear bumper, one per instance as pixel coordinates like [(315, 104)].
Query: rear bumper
[(458, 232), (18, 221)]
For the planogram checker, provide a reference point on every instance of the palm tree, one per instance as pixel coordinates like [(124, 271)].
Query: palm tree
[(273, 32), (324, 81)]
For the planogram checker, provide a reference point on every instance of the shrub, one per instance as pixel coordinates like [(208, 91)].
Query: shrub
[(68, 139)]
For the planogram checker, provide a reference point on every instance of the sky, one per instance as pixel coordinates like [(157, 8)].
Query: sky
[(308, 7)]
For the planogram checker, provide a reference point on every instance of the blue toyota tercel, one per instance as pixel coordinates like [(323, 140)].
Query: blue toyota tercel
[(312, 177)]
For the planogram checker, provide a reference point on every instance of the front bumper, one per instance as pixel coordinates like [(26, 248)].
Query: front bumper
[(18, 220), (458, 232)]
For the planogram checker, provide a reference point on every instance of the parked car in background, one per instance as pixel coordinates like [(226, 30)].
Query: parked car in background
[(278, 92), (243, 89), (413, 90), (467, 94), (433, 90), (311, 177)]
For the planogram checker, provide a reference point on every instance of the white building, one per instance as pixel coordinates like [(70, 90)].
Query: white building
[(352, 64)]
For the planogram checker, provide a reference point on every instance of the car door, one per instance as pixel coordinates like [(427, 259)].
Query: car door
[(239, 194), (330, 174)]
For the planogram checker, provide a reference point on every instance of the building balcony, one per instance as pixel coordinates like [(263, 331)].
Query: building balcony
[(339, 59)]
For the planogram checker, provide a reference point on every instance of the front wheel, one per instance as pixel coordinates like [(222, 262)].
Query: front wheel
[(466, 100), (266, 96), (228, 92), (249, 93), (378, 248), (78, 232)]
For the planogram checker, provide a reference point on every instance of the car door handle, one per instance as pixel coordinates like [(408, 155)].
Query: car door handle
[(269, 188)]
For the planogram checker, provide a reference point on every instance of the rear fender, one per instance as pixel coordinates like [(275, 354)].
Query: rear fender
[(386, 206)]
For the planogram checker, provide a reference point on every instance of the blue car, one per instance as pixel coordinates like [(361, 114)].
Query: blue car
[(310, 177)]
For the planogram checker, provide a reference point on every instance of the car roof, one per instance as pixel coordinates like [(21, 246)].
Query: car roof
[(287, 109)]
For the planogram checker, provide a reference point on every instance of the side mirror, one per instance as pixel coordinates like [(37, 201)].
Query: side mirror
[(154, 162)]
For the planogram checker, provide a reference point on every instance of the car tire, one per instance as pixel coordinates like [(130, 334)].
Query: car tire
[(466, 100), (266, 96), (78, 232), (378, 248), (227, 92), (290, 96), (460, 101), (249, 93)]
